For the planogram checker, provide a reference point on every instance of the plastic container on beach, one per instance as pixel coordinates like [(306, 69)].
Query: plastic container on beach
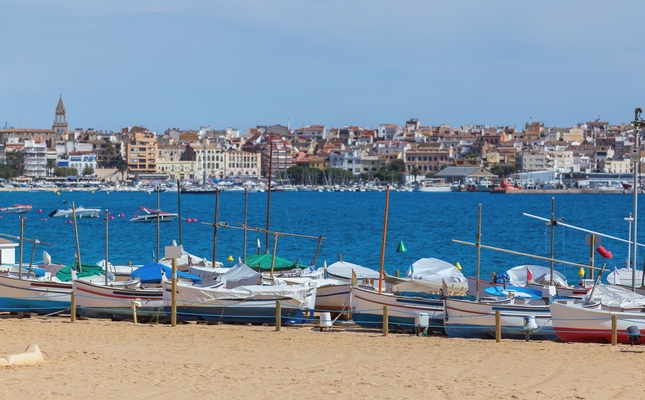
[(325, 320)]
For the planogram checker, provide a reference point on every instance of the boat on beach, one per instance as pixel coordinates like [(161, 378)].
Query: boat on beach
[(403, 309), (16, 209), (144, 214), (476, 319), (118, 302), (39, 295), (253, 304)]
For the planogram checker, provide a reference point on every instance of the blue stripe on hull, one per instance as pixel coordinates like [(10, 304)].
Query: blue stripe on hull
[(488, 332), (38, 306), (405, 324), (242, 315), (143, 314)]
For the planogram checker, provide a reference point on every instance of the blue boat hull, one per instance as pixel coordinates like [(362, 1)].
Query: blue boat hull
[(10, 304), (240, 315)]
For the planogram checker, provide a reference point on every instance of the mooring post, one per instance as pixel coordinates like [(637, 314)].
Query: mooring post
[(385, 321), (73, 307), (614, 330), (498, 327), (278, 315)]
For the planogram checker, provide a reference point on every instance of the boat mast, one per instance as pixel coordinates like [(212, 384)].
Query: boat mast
[(22, 237), (479, 246), (179, 208), (246, 211), (78, 247), (553, 222), (204, 158), (216, 219), (107, 214), (266, 239), (638, 124), (158, 212), (380, 275)]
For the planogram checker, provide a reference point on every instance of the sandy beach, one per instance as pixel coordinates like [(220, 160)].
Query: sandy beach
[(105, 359)]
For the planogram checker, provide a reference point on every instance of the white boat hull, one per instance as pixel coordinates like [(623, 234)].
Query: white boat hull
[(593, 325), (470, 319), (99, 301), (31, 295), (367, 310)]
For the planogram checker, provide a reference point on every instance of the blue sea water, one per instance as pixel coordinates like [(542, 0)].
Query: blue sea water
[(351, 223)]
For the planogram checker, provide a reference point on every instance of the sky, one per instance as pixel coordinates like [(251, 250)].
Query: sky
[(190, 63)]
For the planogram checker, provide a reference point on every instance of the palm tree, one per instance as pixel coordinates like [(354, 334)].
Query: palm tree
[(51, 164), (123, 169)]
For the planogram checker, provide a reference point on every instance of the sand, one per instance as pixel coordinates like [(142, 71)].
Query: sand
[(104, 359)]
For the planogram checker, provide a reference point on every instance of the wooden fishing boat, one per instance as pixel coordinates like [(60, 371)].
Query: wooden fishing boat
[(116, 302), (254, 304), (476, 319)]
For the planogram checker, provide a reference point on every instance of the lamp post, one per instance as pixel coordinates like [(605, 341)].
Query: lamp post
[(636, 152)]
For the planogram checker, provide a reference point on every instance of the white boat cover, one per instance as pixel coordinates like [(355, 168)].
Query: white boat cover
[(208, 274), (344, 269), (623, 276), (435, 270), (195, 294), (239, 275), (616, 296), (541, 275)]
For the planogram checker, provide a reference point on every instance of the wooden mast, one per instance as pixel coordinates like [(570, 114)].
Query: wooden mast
[(78, 247), (216, 219), (107, 217), (380, 275), (266, 239)]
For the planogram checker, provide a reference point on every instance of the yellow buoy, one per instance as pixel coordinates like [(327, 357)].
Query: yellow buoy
[(458, 266), (230, 258), (581, 272)]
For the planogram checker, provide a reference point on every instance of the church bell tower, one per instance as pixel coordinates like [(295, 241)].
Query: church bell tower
[(60, 121)]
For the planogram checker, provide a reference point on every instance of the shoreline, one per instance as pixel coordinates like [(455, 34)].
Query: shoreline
[(92, 358)]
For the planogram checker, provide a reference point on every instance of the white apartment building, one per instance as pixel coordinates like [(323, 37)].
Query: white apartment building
[(35, 159)]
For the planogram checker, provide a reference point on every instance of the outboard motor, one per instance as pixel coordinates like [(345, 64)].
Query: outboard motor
[(51, 214), (633, 334)]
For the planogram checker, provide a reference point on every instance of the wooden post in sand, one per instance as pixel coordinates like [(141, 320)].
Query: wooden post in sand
[(73, 307), (386, 321), (173, 301), (498, 327), (614, 330), (278, 315)]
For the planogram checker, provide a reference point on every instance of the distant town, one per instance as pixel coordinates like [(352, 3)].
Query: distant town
[(406, 154)]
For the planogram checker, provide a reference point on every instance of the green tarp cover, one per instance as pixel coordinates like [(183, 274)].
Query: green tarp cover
[(262, 262), (65, 274)]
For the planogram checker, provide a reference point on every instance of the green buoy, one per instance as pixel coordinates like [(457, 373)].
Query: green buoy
[(401, 248)]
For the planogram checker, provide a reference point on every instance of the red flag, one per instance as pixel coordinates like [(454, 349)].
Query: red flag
[(529, 275)]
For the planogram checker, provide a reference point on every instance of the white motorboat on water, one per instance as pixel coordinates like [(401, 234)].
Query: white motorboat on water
[(144, 214), (81, 212), (16, 209)]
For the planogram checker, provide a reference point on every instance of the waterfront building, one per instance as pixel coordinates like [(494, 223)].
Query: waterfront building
[(465, 174), (428, 159), (141, 152), (35, 158), (532, 160), (321, 163), (242, 164), (370, 164), (177, 169), (82, 161)]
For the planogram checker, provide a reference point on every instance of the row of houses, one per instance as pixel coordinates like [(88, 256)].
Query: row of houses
[(425, 150)]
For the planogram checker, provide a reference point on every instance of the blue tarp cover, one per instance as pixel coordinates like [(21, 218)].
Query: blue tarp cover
[(151, 273)]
